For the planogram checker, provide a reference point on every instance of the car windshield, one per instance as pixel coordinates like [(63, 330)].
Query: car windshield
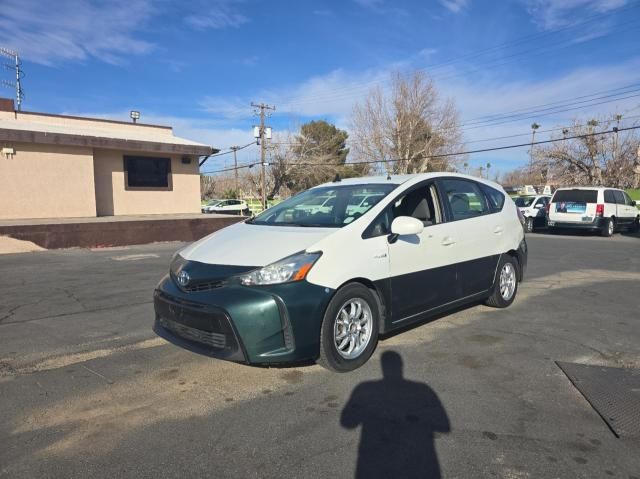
[(524, 202), (311, 208)]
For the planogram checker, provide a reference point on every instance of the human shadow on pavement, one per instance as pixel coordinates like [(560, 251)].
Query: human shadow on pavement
[(399, 420)]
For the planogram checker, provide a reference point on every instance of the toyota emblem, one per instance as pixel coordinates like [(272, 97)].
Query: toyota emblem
[(183, 278)]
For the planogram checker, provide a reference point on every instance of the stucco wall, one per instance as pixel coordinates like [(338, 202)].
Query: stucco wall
[(113, 199), (47, 181)]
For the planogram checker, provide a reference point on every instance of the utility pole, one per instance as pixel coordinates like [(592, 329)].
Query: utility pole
[(534, 127), (235, 166), (263, 147), (615, 138)]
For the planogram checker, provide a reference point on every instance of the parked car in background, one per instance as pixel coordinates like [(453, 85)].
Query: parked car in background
[(207, 207), (230, 207), (534, 210), (291, 284), (598, 209)]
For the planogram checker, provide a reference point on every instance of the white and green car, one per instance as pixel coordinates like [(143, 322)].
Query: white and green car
[(301, 282)]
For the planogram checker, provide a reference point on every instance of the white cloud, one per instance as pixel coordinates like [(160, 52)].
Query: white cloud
[(221, 15), (454, 6), (553, 14), (45, 32)]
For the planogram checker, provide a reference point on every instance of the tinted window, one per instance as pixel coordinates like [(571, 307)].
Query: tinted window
[(494, 197), (609, 196), (147, 172), (465, 199), (576, 196), (305, 209), (524, 202), (541, 202), (619, 197)]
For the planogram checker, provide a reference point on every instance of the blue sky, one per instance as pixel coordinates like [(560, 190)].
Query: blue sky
[(197, 65)]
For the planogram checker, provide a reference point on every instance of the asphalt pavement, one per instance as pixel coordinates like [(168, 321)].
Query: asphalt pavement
[(87, 390)]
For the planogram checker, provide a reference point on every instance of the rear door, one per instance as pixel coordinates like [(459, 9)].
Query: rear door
[(478, 231), (573, 206)]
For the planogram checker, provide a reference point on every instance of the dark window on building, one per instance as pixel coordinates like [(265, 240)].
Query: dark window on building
[(147, 172)]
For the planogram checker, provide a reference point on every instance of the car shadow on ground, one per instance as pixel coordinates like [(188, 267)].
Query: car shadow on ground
[(399, 420)]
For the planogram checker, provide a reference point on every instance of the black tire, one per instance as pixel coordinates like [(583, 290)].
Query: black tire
[(635, 227), (528, 225), (608, 228), (330, 358), (497, 299)]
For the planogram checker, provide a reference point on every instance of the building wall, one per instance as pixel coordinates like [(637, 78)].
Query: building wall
[(112, 198), (47, 181)]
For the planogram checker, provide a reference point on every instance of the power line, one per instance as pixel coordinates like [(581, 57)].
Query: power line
[(446, 155), (231, 150)]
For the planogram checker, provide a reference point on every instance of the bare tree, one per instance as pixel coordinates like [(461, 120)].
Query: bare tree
[(609, 159), (406, 129)]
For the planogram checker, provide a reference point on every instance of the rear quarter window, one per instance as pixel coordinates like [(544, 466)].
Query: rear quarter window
[(576, 196), (494, 197)]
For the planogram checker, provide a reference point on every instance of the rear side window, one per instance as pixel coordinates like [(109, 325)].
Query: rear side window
[(465, 199), (609, 196), (576, 196), (494, 197), (619, 197)]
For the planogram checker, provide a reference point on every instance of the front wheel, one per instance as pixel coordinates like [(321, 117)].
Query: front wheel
[(506, 283), (349, 332)]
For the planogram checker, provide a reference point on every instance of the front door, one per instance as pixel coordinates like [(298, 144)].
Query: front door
[(422, 267)]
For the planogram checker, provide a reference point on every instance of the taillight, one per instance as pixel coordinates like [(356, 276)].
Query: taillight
[(600, 210)]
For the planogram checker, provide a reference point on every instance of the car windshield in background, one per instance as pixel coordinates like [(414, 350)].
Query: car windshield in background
[(576, 196), (327, 207), (524, 202)]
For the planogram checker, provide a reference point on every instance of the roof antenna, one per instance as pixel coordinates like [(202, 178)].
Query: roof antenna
[(337, 178)]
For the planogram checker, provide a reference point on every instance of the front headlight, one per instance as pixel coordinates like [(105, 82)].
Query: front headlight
[(292, 268), (177, 262)]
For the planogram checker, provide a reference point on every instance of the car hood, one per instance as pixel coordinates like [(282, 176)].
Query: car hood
[(244, 244)]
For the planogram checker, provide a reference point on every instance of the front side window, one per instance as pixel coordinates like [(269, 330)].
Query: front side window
[(420, 203), (325, 207), (147, 172), (465, 199), (524, 201), (627, 199)]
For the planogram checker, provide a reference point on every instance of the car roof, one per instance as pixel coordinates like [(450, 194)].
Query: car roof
[(400, 179), (599, 188)]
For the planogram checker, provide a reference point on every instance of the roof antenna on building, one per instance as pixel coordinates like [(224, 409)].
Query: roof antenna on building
[(337, 178)]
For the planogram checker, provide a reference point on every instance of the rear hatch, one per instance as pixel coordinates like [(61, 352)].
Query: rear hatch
[(573, 206)]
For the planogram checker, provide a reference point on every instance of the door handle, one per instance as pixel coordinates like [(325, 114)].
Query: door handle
[(447, 241), (498, 230)]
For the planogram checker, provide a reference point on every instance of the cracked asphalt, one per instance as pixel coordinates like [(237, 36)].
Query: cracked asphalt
[(88, 391)]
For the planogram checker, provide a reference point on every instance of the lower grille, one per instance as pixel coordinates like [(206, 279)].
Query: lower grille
[(216, 340)]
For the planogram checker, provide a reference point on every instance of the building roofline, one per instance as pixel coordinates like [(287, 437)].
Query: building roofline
[(76, 117)]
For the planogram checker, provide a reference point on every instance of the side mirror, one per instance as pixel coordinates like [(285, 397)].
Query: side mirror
[(537, 207), (633, 202), (406, 225)]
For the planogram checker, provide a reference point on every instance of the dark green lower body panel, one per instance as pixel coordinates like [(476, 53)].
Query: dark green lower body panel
[(256, 325)]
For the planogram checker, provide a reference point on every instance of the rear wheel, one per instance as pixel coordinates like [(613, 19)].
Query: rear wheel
[(635, 227), (506, 283), (528, 225), (349, 332), (608, 228)]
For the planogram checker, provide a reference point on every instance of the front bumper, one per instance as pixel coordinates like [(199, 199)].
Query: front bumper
[(255, 325), (596, 225)]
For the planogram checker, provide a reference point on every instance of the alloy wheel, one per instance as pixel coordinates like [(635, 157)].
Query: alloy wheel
[(352, 328), (507, 281)]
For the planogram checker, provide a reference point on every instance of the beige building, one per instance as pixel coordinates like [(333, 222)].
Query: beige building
[(54, 166)]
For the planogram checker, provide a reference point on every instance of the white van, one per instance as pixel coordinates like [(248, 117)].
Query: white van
[(599, 209), (298, 283)]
